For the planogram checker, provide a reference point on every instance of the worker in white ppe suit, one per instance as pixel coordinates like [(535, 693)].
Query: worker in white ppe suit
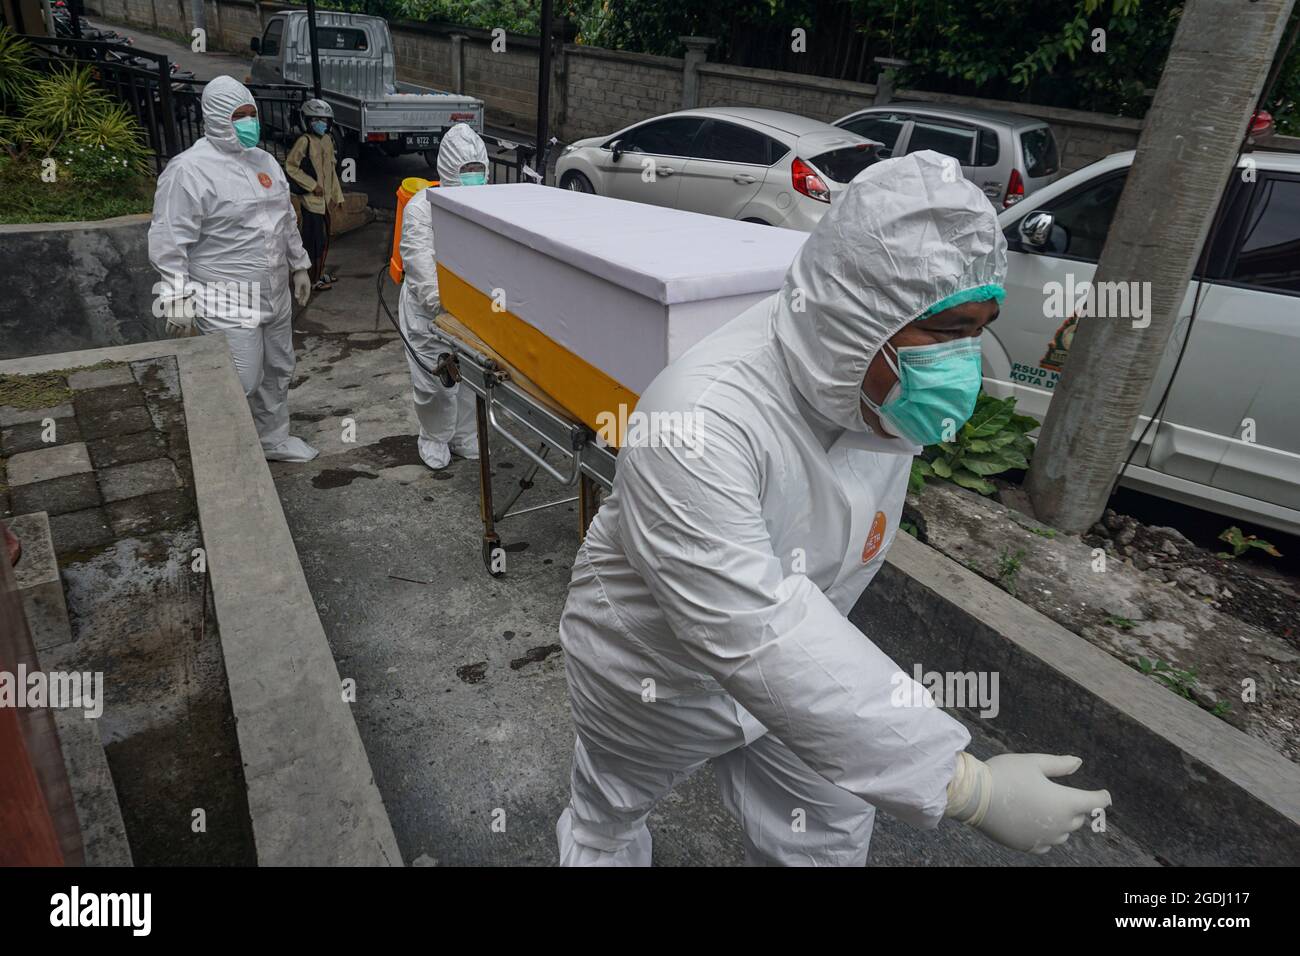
[(706, 616), (224, 239), (446, 415)]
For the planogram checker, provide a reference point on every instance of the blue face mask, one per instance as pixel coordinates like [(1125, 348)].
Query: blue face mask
[(318, 127), (249, 131), (473, 179), (935, 393)]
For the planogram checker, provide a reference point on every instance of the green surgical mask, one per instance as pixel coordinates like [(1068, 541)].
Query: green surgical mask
[(473, 179), (936, 390), (249, 131)]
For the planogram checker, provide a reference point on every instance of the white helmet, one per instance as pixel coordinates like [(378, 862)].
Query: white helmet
[(317, 109)]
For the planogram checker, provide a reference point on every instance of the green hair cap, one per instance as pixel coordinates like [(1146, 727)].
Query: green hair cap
[(979, 293)]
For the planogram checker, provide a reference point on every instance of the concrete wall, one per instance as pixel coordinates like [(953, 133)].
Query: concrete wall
[(1191, 788), (596, 91), (100, 294)]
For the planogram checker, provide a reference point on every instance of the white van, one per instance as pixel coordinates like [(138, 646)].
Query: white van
[(1228, 438)]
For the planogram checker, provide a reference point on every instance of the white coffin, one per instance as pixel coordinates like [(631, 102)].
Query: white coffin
[(626, 287)]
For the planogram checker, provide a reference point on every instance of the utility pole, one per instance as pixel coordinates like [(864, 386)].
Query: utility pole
[(1208, 91), (311, 41), (544, 89)]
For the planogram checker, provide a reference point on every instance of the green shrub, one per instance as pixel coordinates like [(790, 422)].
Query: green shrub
[(70, 150), (993, 441), (26, 197)]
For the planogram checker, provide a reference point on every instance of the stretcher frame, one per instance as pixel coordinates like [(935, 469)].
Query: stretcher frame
[(500, 392)]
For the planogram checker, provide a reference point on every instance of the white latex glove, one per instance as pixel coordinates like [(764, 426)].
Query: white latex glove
[(180, 317), (1010, 799), (301, 286)]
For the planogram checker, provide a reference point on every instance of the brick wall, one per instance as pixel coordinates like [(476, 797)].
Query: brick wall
[(606, 90)]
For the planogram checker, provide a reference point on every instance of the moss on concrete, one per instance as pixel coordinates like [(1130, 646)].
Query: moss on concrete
[(42, 389)]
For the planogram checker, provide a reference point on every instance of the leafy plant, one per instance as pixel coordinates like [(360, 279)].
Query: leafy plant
[(1179, 681), (1242, 543), (15, 73), (1048, 533), (1123, 623), (993, 441), (1008, 567)]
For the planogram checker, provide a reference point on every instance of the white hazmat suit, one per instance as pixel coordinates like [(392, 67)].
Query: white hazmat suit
[(706, 616), (224, 238), (446, 415)]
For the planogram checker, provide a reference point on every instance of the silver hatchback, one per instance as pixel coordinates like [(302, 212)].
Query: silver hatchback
[(1007, 155)]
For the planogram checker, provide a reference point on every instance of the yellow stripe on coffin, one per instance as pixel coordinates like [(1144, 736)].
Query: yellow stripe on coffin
[(576, 385)]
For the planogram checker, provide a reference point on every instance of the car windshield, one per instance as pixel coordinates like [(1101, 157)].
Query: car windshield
[(843, 164), (1040, 152)]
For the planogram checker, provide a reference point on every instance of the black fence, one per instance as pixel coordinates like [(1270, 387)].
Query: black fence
[(164, 101), (508, 159)]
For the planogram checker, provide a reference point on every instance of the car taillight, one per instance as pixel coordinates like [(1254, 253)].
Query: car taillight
[(376, 137), (805, 180), (1015, 190), (462, 117)]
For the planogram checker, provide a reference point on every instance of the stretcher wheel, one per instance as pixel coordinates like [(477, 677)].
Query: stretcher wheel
[(492, 561)]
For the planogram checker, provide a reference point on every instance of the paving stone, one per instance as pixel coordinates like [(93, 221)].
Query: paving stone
[(101, 423), (31, 435), (42, 464), (100, 399), (149, 513), (140, 478), (59, 496), (125, 449), (79, 530), (100, 377), (158, 377), (20, 416)]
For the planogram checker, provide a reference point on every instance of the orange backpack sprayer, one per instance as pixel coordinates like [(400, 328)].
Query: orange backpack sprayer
[(410, 186)]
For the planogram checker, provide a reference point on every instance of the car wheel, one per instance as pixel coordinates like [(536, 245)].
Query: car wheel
[(431, 157), (576, 182)]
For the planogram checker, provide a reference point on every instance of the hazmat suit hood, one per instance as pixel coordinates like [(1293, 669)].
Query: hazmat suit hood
[(459, 147), (907, 234), (221, 97)]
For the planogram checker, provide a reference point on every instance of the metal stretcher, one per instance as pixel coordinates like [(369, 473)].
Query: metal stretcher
[(567, 450)]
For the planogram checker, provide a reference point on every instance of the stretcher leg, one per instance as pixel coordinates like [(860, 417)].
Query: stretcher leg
[(588, 503), (492, 553)]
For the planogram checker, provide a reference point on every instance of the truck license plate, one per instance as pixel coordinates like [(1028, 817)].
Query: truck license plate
[(420, 141)]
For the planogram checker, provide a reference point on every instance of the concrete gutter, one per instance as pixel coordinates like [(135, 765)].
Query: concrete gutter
[(311, 794), (1193, 789)]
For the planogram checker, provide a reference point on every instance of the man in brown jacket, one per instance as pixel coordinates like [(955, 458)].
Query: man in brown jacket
[(314, 177)]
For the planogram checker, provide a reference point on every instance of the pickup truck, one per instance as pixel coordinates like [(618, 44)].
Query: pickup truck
[(358, 76)]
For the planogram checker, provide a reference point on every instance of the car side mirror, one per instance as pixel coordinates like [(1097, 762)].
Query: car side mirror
[(1035, 229), (616, 150), (255, 44)]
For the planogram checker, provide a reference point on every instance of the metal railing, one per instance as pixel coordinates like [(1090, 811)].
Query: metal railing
[(507, 159), (166, 104)]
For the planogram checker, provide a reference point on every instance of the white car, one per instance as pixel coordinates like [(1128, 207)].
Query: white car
[(757, 165), (1228, 437)]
